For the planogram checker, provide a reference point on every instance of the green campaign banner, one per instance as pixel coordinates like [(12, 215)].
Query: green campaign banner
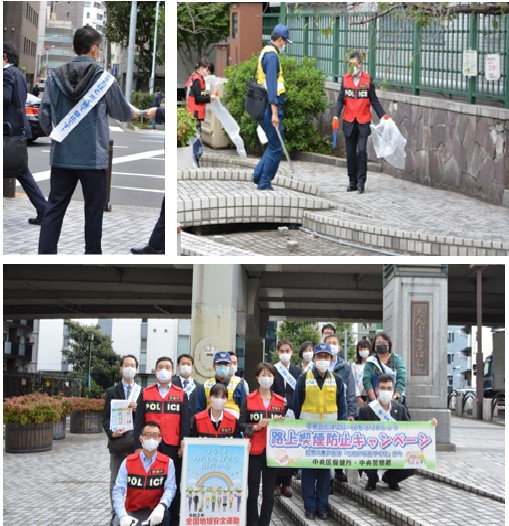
[(350, 445)]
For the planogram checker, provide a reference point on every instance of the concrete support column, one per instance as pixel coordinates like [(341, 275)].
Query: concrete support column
[(415, 317), (219, 294)]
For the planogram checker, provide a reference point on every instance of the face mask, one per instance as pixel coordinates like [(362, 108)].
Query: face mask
[(222, 371), (185, 370), (285, 358), (382, 348), (163, 376), (307, 356), (322, 365), (218, 403), (385, 396), (266, 382), (363, 354), (334, 349), (233, 370), (150, 444), (129, 372)]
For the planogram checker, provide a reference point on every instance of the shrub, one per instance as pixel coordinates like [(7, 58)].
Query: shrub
[(142, 100), (305, 100), (32, 409), (186, 127), (87, 404)]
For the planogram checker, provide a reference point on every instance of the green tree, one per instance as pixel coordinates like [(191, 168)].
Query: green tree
[(296, 332), (305, 100), (104, 361), (117, 30), (200, 25)]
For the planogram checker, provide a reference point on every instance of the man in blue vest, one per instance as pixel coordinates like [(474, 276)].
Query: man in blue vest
[(270, 74)]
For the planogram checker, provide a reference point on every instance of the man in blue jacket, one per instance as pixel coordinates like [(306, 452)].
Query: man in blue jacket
[(78, 98), (13, 79), (270, 75)]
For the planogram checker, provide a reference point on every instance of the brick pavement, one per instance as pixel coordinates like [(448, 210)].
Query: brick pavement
[(393, 214), (69, 485), (124, 227)]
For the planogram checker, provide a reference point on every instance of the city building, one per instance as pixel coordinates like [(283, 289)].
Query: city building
[(94, 14), (459, 358)]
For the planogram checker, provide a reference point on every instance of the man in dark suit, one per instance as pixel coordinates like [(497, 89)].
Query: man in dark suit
[(185, 363), (120, 442), (384, 408), (13, 79), (357, 95), (284, 385)]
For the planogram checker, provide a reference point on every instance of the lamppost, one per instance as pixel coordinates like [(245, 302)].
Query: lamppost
[(90, 338), (153, 76)]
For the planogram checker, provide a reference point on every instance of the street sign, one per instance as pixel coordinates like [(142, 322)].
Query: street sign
[(492, 67)]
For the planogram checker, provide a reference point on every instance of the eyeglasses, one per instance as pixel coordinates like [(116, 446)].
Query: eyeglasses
[(151, 435)]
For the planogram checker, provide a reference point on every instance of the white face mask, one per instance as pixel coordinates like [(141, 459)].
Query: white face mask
[(218, 403), (334, 349), (129, 372), (185, 370), (150, 444), (322, 365), (266, 382), (233, 370), (164, 376), (385, 396), (307, 356), (363, 354), (285, 358)]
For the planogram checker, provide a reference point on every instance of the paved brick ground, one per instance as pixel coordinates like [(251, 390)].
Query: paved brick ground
[(69, 485), (124, 227)]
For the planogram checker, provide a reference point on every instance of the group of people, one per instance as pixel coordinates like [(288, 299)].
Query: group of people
[(324, 386), (356, 97), (78, 98)]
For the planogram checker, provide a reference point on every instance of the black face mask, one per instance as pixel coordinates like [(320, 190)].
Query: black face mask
[(381, 348)]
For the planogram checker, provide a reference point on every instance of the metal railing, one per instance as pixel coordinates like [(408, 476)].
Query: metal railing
[(402, 54)]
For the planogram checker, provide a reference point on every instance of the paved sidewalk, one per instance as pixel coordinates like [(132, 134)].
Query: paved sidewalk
[(69, 485), (394, 214), (124, 227)]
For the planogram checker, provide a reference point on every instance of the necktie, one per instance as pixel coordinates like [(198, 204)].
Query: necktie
[(186, 382), (129, 387)]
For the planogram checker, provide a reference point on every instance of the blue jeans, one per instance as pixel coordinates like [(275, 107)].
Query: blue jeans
[(268, 165), (315, 489)]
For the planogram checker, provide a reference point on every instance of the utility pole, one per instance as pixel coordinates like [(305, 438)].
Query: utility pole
[(130, 52), (153, 76)]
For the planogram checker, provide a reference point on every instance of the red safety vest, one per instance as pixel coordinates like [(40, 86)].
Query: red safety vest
[(166, 412), (195, 109), (255, 412), (357, 103), (144, 490), (206, 428)]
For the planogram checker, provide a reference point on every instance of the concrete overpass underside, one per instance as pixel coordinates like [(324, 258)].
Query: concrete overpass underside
[(292, 292)]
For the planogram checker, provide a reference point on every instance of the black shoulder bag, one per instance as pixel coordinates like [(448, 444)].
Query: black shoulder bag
[(15, 147), (256, 99)]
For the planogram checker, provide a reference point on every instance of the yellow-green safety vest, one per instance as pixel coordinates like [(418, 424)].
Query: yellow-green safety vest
[(230, 406), (320, 404), (261, 78)]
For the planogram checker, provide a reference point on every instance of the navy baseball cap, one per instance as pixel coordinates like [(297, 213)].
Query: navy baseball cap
[(222, 357), (282, 31), (322, 347)]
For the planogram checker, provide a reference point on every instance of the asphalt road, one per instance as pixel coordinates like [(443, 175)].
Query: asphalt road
[(138, 167)]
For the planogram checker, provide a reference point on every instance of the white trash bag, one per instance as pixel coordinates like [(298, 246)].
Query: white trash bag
[(229, 124), (388, 142)]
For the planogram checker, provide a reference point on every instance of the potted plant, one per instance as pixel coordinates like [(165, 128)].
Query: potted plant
[(86, 416), (60, 426), (29, 422), (186, 130)]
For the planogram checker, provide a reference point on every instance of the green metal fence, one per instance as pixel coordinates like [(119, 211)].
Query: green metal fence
[(401, 54)]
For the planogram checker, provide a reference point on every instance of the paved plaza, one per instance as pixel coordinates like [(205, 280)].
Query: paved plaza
[(69, 485)]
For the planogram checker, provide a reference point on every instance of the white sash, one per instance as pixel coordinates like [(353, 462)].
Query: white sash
[(385, 369), (84, 106), (135, 391), (285, 373), (189, 388), (380, 412)]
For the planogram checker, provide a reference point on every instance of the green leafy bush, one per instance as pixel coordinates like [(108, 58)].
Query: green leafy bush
[(186, 127), (142, 100), (305, 100), (32, 409), (87, 404)]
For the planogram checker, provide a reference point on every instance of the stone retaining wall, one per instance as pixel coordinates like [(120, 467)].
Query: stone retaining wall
[(451, 145)]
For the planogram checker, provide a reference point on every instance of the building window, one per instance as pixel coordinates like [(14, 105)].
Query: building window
[(450, 337), (235, 25), (183, 344)]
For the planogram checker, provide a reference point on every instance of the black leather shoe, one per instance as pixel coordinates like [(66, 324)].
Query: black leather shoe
[(351, 188), (309, 515), (322, 515), (392, 487), (36, 220), (370, 487), (146, 250), (340, 476), (361, 189)]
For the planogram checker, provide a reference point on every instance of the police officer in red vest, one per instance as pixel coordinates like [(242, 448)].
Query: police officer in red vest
[(145, 484), (356, 95)]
